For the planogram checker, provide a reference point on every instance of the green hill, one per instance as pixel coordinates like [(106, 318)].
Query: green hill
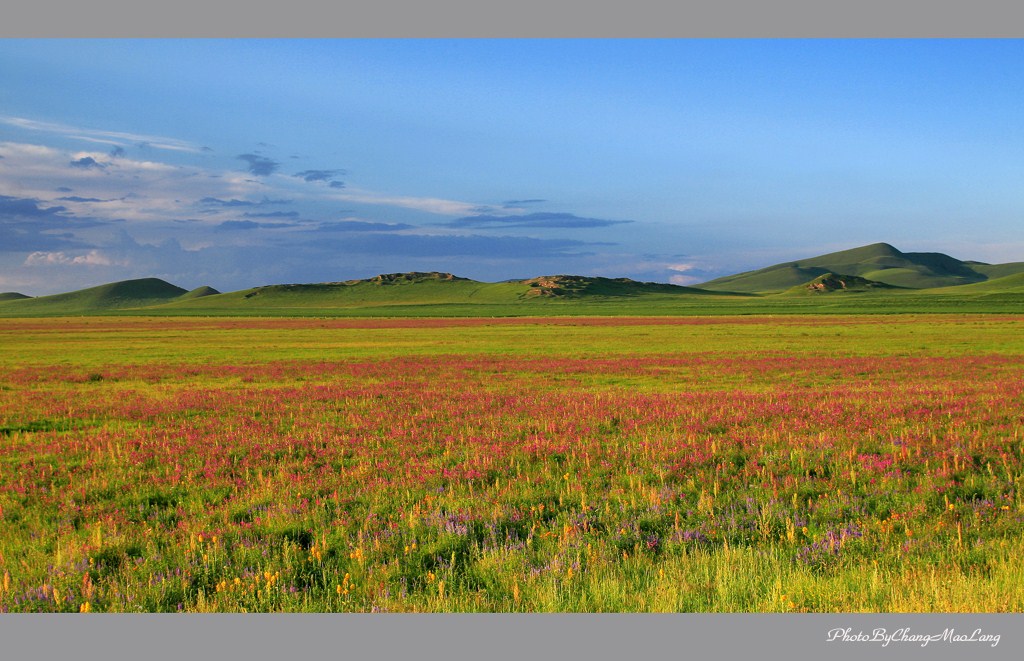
[(879, 262), (577, 286), (832, 283), (1008, 284), (12, 296), (198, 292), (114, 296), (996, 270), (387, 289), (886, 280), (403, 293)]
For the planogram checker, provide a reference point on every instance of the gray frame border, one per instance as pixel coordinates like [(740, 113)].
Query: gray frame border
[(523, 18), (512, 637), (540, 636)]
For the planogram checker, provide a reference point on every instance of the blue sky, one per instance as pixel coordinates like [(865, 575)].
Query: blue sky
[(237, 163)]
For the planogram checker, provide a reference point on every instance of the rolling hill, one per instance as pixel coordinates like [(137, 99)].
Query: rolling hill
[(387, 294), (395, 292), (1008, 284), (198, 292), (830, 283), (874, 278), (879, 262), (575, 286), (122, 295)]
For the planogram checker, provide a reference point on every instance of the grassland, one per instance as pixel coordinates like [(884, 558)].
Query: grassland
[(797, 463), (983, 301), (873, 279), (471, 299)]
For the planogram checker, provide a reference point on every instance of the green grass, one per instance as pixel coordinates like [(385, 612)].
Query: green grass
[(88, 344)]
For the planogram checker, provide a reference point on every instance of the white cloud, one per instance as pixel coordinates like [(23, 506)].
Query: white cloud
[(119, 138), (124, 164), (129, 189), (429, 204), (151, 190), (91, 258), (682, 268), (23, 149), (684, 280)]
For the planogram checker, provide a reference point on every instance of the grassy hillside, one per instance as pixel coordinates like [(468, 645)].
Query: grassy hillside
[(875, 279), (993, 271), (1009, 284), (575, 286), (198, 292), (879, 262), (12, 296), (114, 296), (770, 280), (426, 290), (398, 294), (417, 294), (833, 283)]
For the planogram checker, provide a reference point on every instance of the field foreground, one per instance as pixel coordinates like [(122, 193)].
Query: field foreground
[(565, 464)]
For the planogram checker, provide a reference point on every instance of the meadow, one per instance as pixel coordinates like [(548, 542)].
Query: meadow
[(707, 464)]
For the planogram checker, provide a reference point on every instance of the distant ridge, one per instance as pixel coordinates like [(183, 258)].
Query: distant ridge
[(1007, 284), (879, 262), (575, 286), (408, 278), (836, 283), (884, 279), (419, 292), (125, 294), (199, 292)]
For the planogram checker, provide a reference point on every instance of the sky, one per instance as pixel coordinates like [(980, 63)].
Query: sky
[(238, 163)]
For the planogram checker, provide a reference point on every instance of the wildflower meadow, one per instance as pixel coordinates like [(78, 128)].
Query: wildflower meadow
[(727, 464)]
